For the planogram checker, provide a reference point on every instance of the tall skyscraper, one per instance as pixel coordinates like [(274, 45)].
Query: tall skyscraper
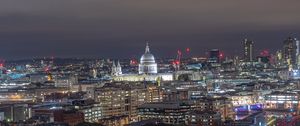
[(248, 50), (290, 50), (297, 53)]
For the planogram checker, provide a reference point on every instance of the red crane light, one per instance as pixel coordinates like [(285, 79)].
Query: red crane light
[(46, 69), (176, 62), (133, 62), (221, 55), (265, 53), (188, 50)]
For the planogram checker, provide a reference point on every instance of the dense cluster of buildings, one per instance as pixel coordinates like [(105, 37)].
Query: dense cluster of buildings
[(216, 90)]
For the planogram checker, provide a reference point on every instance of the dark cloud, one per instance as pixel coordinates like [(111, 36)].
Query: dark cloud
[(119, 29)]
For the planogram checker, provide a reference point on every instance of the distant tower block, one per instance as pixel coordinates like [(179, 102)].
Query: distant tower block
[(248, 50), (290, 51)]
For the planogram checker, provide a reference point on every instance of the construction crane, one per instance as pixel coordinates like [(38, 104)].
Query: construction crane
[(177, 61)]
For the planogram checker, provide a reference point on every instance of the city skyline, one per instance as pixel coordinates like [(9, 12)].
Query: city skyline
[(149, 63)]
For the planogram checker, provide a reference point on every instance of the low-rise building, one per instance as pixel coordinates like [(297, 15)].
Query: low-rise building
[(69, 117), (92, 110), (168, 112), (221, 105)]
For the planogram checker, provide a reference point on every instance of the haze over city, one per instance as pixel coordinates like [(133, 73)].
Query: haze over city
[(118, 29)]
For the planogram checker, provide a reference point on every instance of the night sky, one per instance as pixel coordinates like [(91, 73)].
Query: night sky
[(120, 28)]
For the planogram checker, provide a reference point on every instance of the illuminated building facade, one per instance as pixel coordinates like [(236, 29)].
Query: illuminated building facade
[(244, 99), (221, 105), (90, 109), (282, 102), (144, 77), (65, 81), (175, 95), (204, 118), (119, 100), (168, 112), (154, 94)]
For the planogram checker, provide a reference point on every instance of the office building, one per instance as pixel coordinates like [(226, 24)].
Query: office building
[(214, 56)]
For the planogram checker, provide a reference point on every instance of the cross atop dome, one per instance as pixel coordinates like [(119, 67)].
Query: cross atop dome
[(147, 50)]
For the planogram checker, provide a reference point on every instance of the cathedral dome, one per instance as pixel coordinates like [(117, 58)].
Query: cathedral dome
[(147, 62)]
